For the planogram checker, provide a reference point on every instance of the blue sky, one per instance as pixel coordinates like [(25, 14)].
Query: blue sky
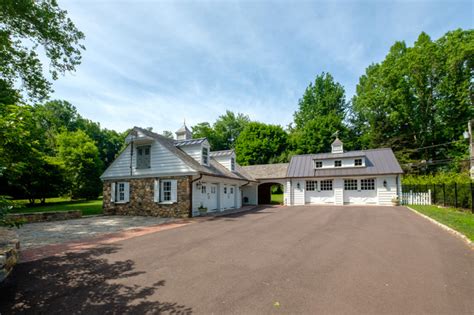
[(154, 64)]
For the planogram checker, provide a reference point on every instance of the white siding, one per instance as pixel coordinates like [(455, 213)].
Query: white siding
[(338, 186), (298, 193), (225, 160), (250, 191), (162, 162), (287, 193), (385, 195), (345, 162)]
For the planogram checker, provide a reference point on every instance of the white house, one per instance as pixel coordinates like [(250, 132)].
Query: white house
[(367, 177), (159, 176)]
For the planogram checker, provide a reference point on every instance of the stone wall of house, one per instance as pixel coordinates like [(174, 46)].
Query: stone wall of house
[(142, 199)]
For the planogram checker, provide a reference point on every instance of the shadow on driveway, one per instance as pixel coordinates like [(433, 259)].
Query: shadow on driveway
[(81, 283)]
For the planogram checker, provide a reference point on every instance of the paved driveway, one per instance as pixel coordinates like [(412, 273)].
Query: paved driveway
[(366, 260)]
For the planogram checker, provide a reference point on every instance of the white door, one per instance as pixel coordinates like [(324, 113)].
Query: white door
[(231, 196), (212, 197), (360, 191), (319, 192)]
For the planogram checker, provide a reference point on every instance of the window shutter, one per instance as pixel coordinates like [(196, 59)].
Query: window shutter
[(174, 191), (127, 191), (112, 192), (156, 189)]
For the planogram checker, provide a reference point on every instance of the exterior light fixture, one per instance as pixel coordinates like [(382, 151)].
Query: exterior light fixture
[(298, 185), (385, 183)]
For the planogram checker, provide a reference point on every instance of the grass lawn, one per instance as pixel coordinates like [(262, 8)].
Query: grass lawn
[(460, 221), (277, 199), (88, 207)]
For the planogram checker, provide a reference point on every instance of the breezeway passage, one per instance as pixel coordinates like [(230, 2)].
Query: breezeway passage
[(309, 259)]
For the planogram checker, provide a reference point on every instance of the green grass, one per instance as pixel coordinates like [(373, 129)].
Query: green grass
[(277, 199), (88, 207), (461, 221)]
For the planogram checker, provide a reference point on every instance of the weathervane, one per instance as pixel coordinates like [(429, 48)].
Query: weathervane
[(336, 134)]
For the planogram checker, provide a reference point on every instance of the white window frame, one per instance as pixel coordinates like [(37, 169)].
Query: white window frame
[(350, 184), (338, 162), (311, 185), (168, 191), (318, 164), (326, 185), (205, 155), (232, 164), (143, 149), (355, 162), (122, 192), (367, 184)]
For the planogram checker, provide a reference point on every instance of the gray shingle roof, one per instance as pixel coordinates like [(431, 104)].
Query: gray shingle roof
[(378, 162), (267, 171), (214, 168)]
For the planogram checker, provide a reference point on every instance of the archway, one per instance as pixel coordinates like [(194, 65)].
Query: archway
[(270, 193)]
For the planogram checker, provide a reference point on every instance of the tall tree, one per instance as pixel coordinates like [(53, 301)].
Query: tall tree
[(80, 156), (26, 25), (259, 143), (418, 97), (324, 97)]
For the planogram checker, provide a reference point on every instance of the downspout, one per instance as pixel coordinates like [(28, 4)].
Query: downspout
[(131, 157), (191, 195)]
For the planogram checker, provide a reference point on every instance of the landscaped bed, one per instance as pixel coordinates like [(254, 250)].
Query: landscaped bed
[(461, 221), (88, 207)]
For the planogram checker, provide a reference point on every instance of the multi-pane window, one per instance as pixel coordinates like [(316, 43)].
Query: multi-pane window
[(120, 192), (350, 184), (166, 190), (213, 189), (232, 164), (337, 163), (358, 162), (205, 156), (231, 190), (367, 184), (311, 185), (318, 164), (326, 184), (225, 190), (203, 189), (143, 157)]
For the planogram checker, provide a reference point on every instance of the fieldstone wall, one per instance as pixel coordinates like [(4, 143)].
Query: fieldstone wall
[(45, 216), (9, 247), (142, 199)]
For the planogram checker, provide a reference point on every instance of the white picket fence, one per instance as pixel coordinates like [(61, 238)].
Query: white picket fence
[(416, 198)]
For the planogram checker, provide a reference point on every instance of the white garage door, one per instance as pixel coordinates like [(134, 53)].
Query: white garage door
[(319, 192), (360, 191), (229, 196), (209, 196)]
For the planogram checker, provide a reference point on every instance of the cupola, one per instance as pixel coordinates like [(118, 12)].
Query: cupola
[(336, 146), (183, 133)]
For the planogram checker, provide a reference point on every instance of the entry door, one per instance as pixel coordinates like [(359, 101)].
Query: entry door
[(231, 197), (212, 197)]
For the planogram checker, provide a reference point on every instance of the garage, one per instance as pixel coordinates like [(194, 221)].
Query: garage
[(319, 192), (360, 191), (209, 196)]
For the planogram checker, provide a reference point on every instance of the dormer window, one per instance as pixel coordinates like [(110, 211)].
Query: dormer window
[(143, 157), (205, 156), (232, 164), (337, 163), (318, 164), (358, 162)]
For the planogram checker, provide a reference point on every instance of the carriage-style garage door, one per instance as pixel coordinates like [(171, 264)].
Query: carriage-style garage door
[(360, 191), (319, 191), (229, 197)]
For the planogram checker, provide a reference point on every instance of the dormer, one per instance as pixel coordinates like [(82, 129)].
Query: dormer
[(198, 149), (184, 133), (337, 146), (226, 158)]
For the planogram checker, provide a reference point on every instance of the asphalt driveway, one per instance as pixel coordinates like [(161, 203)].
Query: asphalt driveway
[(366, 260)]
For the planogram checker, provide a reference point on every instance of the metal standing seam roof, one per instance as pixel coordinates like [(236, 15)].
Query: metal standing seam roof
[(221, 153), (378, 162), (267, 171), (180, 143), (214, 168)]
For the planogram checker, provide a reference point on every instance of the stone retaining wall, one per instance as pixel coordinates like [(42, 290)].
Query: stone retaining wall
[(142, 199), (9, 247), (45, 216)]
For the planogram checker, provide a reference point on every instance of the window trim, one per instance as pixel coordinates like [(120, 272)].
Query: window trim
[(313, 183), (205, 156), (351, 186), (355, 162), (141, 152), (318, 164), (324, 185), (232, 164), (367, 184), (164, 183), (337, 162), (117, 192)]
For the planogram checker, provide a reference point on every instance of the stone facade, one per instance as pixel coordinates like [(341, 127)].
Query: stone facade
[(142, 199)]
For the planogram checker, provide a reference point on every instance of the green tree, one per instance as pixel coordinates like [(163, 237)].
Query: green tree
[(418, 97), (324, 97), (260, 143), (80, 157), (168, 134), (26, 25), (204, 130), (227, 129)]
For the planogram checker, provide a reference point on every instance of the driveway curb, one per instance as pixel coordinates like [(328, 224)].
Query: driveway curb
[(463, 237)]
